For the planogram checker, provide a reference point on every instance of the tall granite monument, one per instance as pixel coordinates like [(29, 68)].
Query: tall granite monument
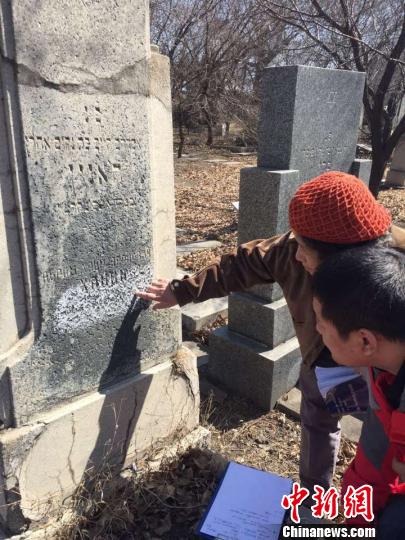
[(308, 124), (87, 195)]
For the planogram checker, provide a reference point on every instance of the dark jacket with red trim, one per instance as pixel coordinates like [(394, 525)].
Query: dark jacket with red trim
[(382, 438)]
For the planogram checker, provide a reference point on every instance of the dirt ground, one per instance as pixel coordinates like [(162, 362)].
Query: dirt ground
[(169, 503), (205, 190)]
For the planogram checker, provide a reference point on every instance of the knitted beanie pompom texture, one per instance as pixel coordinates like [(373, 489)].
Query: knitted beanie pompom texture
[(337, 208)]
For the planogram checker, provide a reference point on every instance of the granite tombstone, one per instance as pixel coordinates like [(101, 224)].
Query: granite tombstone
[(84, 131), (308, 124)]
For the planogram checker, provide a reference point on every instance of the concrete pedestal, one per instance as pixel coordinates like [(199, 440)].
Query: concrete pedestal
[(252, 369), (43, 463)]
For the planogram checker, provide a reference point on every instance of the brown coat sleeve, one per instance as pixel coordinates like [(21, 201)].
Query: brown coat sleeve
[(258, 261)]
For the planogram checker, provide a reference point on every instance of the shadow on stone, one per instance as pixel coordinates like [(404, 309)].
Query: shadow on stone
[(120, 410)]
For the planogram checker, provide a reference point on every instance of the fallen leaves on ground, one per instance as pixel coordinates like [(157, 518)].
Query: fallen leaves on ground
[(169, 503), (202, 336), (394, 201), (204, 211)]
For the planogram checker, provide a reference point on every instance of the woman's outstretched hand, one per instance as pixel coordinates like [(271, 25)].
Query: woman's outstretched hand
[(159, 291)]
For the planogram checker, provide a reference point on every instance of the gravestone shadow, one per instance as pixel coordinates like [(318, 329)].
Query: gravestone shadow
[(120, 410)]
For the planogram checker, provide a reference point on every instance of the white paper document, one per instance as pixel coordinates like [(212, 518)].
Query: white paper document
[(247, 505)]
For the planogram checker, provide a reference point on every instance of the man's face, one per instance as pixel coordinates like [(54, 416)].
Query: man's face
[(362, 348), (344, 351), (306, 256)]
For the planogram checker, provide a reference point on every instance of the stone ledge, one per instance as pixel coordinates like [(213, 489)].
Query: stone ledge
[(195, 316), (291, 403), (184, 249), (51, 456), (256, 318)]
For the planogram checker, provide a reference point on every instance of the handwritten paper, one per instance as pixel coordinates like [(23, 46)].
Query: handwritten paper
[(247, 505)]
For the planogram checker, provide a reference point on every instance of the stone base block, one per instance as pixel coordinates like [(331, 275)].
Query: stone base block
[(43, 463), (271, 293), (395, 178), (362, 169), (196, 316), (253, 317), (291, 404), (264, 196), (251, 369)]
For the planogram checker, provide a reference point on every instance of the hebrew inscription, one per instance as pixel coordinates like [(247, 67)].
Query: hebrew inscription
[(325, 154), (87, 161), (79, 82)]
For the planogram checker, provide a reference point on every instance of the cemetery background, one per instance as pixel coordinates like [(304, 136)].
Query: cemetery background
[(206, 184), (169, 502)]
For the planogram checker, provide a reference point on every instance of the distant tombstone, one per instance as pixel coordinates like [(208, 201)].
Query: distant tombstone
[(308, 124), (396, 174)]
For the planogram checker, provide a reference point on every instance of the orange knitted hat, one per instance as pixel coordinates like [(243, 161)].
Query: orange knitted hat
[(338, 208)]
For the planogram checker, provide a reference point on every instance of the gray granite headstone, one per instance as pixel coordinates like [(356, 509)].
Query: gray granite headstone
[(78, 90), (308, 124), (309, 119)]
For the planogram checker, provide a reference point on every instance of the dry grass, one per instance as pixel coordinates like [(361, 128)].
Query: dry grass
[(142, 503), (167, 504)]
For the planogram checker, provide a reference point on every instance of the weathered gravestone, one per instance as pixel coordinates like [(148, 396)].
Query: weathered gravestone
[(308, 124), (88, 204), (396, 174)]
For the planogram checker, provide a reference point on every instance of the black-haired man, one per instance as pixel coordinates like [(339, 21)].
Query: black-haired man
[(359, 302)]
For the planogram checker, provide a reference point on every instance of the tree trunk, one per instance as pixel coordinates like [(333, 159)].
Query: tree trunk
[(181, 135), (377, 172), (379, 159), (210, 135)]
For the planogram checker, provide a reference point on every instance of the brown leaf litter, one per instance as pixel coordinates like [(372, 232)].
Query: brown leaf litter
[(169, 503), (204, 211)]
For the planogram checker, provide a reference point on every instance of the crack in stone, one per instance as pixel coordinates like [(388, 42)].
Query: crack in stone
[(125, 81), (69, 458), (131, 429)]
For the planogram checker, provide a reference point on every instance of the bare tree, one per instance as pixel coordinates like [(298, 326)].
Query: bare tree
[(217, 50), (366, 35)]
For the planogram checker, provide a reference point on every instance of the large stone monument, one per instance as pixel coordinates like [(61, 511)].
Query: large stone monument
[(308, 124), (88, 372)]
